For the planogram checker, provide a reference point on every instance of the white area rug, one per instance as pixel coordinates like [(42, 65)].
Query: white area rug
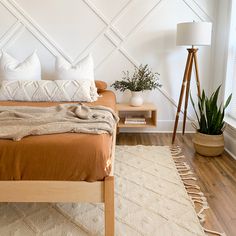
[(150, 200)]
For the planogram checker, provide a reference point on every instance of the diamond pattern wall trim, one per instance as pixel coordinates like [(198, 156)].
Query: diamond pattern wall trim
[(108, 40)]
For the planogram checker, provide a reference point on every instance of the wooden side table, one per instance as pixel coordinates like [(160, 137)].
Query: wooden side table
[(147, 109)]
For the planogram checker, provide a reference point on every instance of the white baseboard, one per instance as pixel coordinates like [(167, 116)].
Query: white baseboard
[(146, 131), (230, 153), (230, 141), (163, 126)]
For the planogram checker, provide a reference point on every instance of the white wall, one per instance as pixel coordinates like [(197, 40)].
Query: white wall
[(221, 45), (119, 33)]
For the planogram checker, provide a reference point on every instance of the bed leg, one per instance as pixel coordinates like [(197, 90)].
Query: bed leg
[(109, 206)]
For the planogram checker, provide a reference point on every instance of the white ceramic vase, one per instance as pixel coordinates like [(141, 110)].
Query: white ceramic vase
[(136, 99)]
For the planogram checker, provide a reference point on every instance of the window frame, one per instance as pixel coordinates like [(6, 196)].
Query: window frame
[(230, 83)]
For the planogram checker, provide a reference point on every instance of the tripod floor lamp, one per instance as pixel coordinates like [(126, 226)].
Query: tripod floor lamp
[(193, 34)]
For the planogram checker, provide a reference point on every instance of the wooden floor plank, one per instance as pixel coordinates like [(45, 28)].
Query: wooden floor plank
[(216, 177)]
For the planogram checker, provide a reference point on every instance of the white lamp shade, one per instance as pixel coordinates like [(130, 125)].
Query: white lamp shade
[(194, 33)]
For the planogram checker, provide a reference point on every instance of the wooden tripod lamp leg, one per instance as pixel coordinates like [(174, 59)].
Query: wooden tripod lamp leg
[(187, 92), (109, 206), (181, 96), (196, 71)]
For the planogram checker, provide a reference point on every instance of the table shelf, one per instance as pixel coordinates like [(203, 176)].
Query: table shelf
[(148, 109)]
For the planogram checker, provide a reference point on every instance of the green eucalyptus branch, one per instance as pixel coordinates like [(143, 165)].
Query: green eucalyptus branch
[(142, 79)]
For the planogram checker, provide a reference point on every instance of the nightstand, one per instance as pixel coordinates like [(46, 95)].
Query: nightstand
[(148, 110)]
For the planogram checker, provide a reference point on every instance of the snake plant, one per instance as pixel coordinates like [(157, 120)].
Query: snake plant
[(210, 116)]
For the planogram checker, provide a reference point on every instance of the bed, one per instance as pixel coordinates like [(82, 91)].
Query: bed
[(60, 167)]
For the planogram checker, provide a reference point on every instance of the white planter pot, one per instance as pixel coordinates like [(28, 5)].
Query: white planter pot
[(136, 99)]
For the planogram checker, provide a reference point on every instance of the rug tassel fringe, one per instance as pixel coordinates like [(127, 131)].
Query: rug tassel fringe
[(175, 150), (200, 214), (197, 197), (186, 174), (196, 193), (178, 157), (191, 186), (189, 178), (174, 153), (214, 232), (185, 168)]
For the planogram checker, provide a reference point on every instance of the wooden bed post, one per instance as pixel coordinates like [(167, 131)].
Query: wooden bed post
[(109, 206)]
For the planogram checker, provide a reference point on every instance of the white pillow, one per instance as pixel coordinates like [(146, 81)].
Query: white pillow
[(12, 69), (46, 90), (83, 70)]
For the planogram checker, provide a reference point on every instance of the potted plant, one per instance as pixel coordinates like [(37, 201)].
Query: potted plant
[(209, 139), (142, 79)]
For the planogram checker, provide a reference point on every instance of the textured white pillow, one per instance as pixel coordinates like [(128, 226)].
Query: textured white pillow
[(12, 69), (83, 70), (46, 90)]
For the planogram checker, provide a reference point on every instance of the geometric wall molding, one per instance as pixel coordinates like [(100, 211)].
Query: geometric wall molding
[(120, 34), (199, 10)]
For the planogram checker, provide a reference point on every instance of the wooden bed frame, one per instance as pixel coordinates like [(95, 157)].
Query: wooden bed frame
[(66, 191)]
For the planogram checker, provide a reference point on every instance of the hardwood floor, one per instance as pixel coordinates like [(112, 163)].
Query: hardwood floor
[(216, 177)]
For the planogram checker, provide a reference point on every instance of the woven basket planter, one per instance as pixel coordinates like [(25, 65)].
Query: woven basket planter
[(208, 145)]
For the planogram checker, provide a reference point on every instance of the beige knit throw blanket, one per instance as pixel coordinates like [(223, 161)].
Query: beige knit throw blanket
[(17, 122)]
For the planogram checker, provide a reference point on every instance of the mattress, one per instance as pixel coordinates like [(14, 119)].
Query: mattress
[(69, 156)]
